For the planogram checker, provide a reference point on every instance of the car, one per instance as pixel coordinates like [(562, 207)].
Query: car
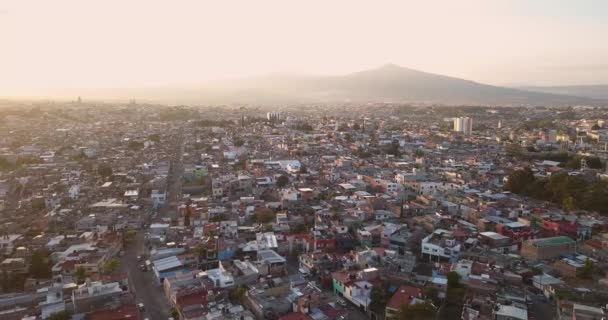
[(141, 306), (341, 302), (139, 258), (143, 267)]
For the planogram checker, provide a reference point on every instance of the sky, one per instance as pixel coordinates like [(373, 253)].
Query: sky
[(49, 45)]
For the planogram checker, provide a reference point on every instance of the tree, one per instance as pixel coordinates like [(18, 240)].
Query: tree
[(238, 142), (39, 267), (218, 218), (154, 137), (187, 217), (418, 311), (378, 299), (431, 293), (201, 252), (135, 145), (174, 313), (343, 127), (394, 148), (282, 181), (519, 180), (586, 272), (263, 215), (513, 150), (111, 265), (104, 170), (453, 280), (81, 274), (236, 295), (61, 315)]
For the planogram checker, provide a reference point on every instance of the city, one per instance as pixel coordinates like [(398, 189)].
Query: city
[(304, 160), (203, 213)]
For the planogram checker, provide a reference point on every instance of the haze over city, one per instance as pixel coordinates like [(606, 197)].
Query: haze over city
[(51, 46)]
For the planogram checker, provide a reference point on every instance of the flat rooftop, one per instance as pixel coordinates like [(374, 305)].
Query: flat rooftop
[(551, 242)]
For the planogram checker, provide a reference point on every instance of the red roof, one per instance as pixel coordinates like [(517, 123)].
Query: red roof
[(197, 298), (124, 312), (331, 312), (295, 316), (403, 297)]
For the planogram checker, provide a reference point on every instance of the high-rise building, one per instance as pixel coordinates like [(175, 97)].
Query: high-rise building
[(464, 125), (274, 116)]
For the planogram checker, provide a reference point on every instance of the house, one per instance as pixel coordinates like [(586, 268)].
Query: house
[(440, 245), (404, 296), (510, 312)]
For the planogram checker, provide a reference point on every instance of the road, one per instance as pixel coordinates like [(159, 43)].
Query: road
[(148, 289), (174, 179)]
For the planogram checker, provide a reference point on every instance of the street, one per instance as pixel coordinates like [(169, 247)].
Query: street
[(147, 288)]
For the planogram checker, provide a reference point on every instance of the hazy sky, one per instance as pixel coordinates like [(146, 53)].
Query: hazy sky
[(114, 43)]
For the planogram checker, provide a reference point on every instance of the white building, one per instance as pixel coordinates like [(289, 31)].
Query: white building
[(464, 125), (440, 244)]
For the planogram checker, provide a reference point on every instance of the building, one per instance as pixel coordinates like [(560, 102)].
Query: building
[(405, 296), (464, 125), (548, 248), (440, 245), (274, 116), (506, 312)]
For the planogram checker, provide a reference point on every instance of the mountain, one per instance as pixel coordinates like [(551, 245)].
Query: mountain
[(391, 83), (588, 91)]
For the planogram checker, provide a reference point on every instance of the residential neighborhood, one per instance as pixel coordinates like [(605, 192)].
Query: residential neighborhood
[(406, 212)]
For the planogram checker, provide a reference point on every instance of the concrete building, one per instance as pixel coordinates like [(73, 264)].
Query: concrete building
[(547, 248)]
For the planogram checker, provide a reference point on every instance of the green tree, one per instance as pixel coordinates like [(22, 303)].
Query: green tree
[(111, 265), (201, 252), (378, 298), (187, 218), (174, 313), (586, 272), (282, 181), (418, 311), (453, 280), (519, 180), (236, 295), (61, 315), (39, 267), (81, 274), (104, 170), (154, 137), (513, 150), (431, 292), (135, 145)]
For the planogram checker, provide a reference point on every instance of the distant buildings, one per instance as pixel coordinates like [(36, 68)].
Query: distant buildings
[(464, 125), (274, 116)]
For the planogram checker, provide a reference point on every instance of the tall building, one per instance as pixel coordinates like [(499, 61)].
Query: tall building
[(274, 116), (464, 125)]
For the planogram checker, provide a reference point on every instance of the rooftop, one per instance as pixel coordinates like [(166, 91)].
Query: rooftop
[(551, 242)]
